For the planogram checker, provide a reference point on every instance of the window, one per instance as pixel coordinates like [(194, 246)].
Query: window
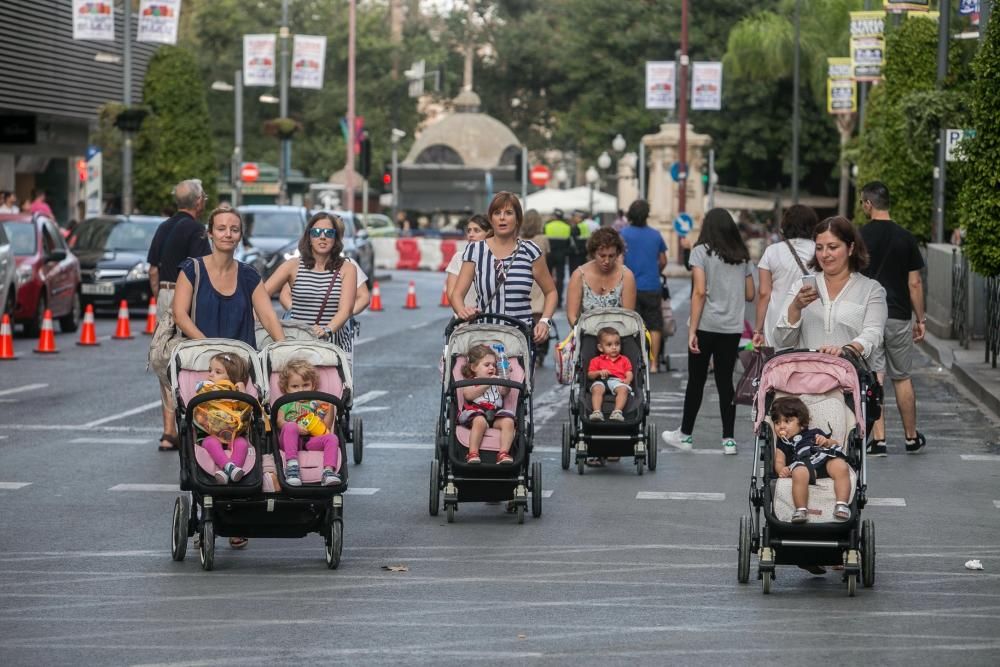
[(22, 237), (439, 154)]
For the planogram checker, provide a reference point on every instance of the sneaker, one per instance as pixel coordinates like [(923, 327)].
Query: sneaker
[(800, 515), (234, 472), (914, 445), (678, 439), (472, 458), (617, 416), (292, 474), (877, 448), (329, 477), (596, 416), (221, 477), (505, 457), (729, 446)]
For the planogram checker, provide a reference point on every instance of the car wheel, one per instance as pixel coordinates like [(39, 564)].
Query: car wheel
[(33, 326), (71, 321)]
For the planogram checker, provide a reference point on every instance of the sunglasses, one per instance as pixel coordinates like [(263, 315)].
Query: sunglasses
[(316, 232)]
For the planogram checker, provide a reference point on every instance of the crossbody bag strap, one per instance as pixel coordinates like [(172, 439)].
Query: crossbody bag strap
[(798, 260), (194, 297), (326, 297), (501, 276)]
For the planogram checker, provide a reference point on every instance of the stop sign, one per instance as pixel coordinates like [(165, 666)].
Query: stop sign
[(539, 175), (249, 172)]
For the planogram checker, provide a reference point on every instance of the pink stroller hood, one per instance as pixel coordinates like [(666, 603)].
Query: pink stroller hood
[(800, 373)]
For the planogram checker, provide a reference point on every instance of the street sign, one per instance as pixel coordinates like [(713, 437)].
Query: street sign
[(678, 171), (952, 140), (683, 224), (539, 175), (249, 172)]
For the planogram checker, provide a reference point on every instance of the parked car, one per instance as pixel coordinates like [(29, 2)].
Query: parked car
[(269, 229), (112, 251), (48, 274), (8, 275), (379, 225), (357, 245)]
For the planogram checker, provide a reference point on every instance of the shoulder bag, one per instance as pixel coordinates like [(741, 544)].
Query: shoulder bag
[(795, 256), (167, 334), (322, 307)]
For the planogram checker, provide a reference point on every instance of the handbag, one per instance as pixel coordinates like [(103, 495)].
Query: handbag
[(167, 334), (565, 351), (753, 365)]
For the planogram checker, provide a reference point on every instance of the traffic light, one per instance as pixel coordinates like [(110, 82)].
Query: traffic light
[(365, 158), (387, 175)]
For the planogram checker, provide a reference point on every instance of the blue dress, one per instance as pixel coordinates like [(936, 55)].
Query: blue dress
[(221, 316)]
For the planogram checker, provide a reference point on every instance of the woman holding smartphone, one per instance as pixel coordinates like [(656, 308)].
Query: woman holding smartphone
[(838, 307)]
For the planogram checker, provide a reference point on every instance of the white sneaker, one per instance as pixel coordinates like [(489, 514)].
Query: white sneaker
[(729, 446), (678, 440)]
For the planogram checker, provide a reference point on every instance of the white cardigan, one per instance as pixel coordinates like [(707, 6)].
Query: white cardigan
[(857, 315)]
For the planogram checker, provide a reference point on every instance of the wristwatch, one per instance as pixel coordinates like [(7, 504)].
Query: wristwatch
[(546, 321)]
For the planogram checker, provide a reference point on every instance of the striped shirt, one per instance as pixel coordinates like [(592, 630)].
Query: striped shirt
[(309, 291), (513, 297)]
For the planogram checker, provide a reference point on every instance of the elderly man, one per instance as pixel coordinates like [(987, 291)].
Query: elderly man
[(180, 236)]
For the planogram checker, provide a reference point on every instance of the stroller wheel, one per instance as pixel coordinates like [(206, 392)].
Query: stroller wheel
[(567, 444), (335, 544), (651, 446), (536, 489), (852, 585), (435, 490), (743, 573), (639, 464), (206, 551), (868, 553), (519, 511), (359, 440), (765, 582), (179, 529), (449, 511)]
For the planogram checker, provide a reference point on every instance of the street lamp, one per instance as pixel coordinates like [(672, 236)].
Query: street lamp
[(604, 161), (618, 144), (592, 177), (269, 99)]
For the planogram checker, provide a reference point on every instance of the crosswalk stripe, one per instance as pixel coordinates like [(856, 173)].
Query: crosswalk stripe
[(679, 495), (980, 457), (113, 441), (887, 502), (173, 488), (27, 387), (370, 408), (13, 486), (361, 491)]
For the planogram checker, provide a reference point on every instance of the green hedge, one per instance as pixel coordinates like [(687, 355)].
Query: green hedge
[(175, 142)]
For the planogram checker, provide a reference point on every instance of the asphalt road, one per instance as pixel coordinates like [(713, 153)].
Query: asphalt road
[(603, 577)]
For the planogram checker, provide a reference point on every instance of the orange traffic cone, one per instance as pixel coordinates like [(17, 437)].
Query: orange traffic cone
[(376, 304), (445, 303), (151, 317), (88, 335), (6, 339), (124, 328), (411, 296), (47, 339)]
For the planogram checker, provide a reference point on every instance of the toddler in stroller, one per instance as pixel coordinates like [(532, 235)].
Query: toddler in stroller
[(483, 406), (224, 419), (306, 424), (612, 371)]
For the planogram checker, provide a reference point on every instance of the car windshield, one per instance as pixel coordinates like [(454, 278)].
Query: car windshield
[(284, 224), (114, 235), (23, 238)]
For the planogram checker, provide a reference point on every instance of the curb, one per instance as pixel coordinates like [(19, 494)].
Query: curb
[(944, 352)]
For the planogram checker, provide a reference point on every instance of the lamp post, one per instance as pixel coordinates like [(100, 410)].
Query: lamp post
[(237, 160), (127, 204), (592, 177), (396, 136), (286, 147)]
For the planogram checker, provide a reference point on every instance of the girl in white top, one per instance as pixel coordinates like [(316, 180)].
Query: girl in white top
[(477, 228), (781, 265), (844, 308)]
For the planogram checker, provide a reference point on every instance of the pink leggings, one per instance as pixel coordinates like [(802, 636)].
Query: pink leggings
[(237, 455), (290, 439)]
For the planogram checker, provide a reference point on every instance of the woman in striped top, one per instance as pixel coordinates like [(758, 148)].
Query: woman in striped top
[(503, 268), (323, 284)]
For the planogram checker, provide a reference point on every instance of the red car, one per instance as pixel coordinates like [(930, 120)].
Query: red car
[(48, 274)]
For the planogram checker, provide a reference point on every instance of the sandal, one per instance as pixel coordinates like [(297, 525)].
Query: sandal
[(238, 542), (172, 439), (842, 512), (800, 515), (594, 462)]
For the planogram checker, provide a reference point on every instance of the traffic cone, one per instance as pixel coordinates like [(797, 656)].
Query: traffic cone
[(88, 335), (411, 296), (151, 317), (47, 339), (376, 304), (124, 329), (445, 303), (6, 339)]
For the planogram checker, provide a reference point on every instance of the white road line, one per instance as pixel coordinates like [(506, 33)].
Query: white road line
[(370, 408), (546, 493), (27, 387), (398, 445), (362, 491), (368, 397), (363, 341), (996, 503), (10, 400), (551, 402), (980, 457), (112, 441), (145, 487), (420, 325), (13, 486), (679, 495), (121, 415), (77, 427), (887, 502)]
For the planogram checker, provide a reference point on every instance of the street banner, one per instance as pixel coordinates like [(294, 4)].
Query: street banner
[(258, 60), (841, 88), (867, 45), (93, 190), (158, 21), (896, 6), (308, 58), (660, 78), (94, 19), (967, 7), (706, 85)]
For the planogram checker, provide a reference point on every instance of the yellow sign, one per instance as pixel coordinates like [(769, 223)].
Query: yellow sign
[(841, 96)]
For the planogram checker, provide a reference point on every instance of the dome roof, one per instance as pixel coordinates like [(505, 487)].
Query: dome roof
[(466, 137)]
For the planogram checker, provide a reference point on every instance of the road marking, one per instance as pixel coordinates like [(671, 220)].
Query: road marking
[(679, 495), (548, 404), (27, 387), (547, 493), (13, 486), (996, 503), (361, 491), (145, 487), (398, 445), (420, 325), (77, 427), (112, 441), (887, 502), (121, 415), (980, 457), (10, 400), (369, 408), (368, 397)]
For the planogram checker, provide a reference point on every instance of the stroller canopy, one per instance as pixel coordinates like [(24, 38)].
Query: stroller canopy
[(513, 341), (316, 352), (627, 322), (798, 373), (195, 354)]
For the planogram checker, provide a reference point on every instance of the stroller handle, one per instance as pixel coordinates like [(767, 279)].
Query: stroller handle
[(505, 319)]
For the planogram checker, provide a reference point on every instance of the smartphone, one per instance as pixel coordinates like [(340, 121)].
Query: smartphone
[(809, 281)]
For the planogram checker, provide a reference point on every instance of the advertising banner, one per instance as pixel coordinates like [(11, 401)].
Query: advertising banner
[(94, 19), (867, 45), (93, 188), (906, 5), (158, 21), (968, 7), (706, 86), (258, 60), (841, 88), (308, 57), (660, 78)]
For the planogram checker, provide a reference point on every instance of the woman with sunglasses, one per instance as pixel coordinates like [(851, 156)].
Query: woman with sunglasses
[(322, 282)]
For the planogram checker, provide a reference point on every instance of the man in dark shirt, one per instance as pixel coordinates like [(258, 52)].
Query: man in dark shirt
[(178, 237), (895, 262)]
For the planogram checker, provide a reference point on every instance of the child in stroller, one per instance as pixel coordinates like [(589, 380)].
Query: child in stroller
[(306, 425), (609, 370), (483, 406), (224, 419)]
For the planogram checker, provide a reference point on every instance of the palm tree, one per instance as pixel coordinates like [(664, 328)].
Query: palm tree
[(762, 47)]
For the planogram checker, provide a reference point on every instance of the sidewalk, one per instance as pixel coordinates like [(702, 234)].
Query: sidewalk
[(968, 367)]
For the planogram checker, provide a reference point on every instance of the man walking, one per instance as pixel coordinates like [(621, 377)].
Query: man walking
[(905, 297), (180, 236)]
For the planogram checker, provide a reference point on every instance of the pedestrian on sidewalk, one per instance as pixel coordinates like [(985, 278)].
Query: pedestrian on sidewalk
[(646, 257), (722, 278), (904, 294)]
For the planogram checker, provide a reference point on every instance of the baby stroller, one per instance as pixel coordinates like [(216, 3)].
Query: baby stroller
[(486, 481), (353, 429), (843, 396), (635, 436)]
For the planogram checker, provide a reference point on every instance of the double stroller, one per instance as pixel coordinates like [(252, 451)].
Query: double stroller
[(843, 396), (486, 481), (636, 435), (261, 504)]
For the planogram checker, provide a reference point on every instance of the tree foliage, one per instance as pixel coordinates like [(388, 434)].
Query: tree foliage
[(175, 142)]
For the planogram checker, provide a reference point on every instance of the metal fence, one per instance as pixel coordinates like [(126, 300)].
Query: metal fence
[(960, 326), (992, 298)]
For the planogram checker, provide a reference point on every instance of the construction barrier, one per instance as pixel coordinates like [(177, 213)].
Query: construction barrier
[(428, 254)]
